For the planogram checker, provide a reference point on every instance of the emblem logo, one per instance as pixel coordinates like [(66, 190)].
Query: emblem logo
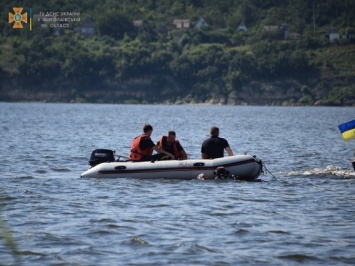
[(18, 18)]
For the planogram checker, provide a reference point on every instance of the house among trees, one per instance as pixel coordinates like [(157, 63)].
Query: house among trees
[(332, 34), (242, 27), (181, 23), (138, 23), (284, 27), (87, 28), (293, 36), (287, 34), (285, 31), (270, 29), (348, 35), (201, 23)]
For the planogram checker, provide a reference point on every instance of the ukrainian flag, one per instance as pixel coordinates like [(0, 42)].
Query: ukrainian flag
[(347, 130)]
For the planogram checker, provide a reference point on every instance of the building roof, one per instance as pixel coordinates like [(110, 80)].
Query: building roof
[(270, 28)]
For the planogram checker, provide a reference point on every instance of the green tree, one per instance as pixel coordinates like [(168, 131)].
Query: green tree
[(115, 23)]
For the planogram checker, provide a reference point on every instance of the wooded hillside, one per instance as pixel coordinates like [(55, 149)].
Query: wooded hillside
[(130, 51)]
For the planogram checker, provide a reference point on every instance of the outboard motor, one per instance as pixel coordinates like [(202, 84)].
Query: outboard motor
[(101, 156), (353, 163)]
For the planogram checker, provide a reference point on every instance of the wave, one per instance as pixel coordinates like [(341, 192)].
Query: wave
[(330, 170)]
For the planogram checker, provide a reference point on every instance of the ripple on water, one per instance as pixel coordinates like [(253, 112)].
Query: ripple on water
[(60, 169), (24, 177), (300, 258), (41, 171), (242, 231)]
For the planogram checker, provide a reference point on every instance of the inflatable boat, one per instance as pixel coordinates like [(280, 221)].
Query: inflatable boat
[(242, 167)]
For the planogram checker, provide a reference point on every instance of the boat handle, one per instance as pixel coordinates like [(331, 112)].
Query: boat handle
[(120, 167)]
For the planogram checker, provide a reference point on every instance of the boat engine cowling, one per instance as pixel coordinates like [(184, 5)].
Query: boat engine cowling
[(101, 156)]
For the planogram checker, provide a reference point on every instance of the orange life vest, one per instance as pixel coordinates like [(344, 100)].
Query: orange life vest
[(136, 152), (177, 153)]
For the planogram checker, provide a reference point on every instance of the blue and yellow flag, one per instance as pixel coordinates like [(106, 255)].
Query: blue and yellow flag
[(347, 130)]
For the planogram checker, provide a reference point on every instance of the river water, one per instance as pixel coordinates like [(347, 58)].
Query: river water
[(305, 215)]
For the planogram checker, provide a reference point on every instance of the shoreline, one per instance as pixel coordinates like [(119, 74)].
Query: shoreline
[(180, 104)]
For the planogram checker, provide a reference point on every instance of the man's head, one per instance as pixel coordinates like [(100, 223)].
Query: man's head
[(171, 136), (221, 172), (147, 129), (214, 131)]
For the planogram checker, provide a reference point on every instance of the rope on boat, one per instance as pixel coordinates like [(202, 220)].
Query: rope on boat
[(267, 171), (263, 167)]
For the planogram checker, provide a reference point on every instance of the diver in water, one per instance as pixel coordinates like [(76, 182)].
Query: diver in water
[(219, 173), (222, 174)]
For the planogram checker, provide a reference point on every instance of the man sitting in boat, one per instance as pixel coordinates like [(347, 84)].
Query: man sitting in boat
[(214, 146), (170, 144), (142, 147)]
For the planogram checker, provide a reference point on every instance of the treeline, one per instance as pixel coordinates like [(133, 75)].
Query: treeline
[(198, 65), (214, 60)]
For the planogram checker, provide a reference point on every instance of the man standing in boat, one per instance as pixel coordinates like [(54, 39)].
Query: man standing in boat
[(142, 147), (214, 146), (170, 144)]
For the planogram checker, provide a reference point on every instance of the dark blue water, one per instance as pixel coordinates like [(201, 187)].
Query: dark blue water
[(56, 218)]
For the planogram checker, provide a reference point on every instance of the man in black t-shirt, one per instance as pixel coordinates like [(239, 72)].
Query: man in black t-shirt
[(214, 146)]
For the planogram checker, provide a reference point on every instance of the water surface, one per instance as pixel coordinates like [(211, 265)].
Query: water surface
[(306, 216)]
